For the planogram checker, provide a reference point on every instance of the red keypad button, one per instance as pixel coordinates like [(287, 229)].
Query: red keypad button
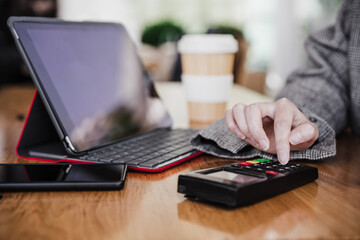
[(244, 163), (271, 172)]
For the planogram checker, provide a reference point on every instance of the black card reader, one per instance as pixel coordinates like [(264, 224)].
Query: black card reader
[(245, 182)]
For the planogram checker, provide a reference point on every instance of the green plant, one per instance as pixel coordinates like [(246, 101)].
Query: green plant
[(226, 29), (162, 32)]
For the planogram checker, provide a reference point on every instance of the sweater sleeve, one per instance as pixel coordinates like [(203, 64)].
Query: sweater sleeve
[(321, 92)]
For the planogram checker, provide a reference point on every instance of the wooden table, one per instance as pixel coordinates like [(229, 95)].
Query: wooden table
[(150, 208)]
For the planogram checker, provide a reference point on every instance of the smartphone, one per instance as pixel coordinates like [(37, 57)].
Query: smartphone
[(62, 177)]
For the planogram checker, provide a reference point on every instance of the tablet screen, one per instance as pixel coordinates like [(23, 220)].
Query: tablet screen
[(93, 80)]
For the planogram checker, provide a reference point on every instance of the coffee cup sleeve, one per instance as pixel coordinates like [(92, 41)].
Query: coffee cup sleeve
[(207, 89)]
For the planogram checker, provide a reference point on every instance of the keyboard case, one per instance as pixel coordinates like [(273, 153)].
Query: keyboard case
[(39, 135)]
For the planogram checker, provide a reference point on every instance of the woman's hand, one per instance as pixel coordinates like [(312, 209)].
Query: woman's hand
[(276, 128)]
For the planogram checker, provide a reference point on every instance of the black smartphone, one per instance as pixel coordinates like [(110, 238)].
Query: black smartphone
[(62, 177)]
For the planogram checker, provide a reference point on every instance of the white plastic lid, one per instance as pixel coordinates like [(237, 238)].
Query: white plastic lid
[(208, 43)]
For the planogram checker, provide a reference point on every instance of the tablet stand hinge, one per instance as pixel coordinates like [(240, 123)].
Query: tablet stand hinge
[(69, 144)]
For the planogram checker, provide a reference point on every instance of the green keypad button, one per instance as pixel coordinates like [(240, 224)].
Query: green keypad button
[(262, 160)]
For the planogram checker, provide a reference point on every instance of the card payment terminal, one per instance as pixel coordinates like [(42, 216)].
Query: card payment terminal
[(244, 183)]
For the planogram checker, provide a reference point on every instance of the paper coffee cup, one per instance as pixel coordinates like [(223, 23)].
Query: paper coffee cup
[(207, 64)]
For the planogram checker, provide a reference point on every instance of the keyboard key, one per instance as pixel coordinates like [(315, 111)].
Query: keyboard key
[(127, 159), (108, 159), (158, 160), (172, 148), (163, 151), (183, 150), (119, 161), (262, 160), (244, 163), (252, 162), (154, 155), (165, 157), (259, 169), (137, 155), (135, 161), (146, 158), (149, 164), (104, 160), (271, 172)]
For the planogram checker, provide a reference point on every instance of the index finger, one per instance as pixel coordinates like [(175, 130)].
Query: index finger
[(282, 127)]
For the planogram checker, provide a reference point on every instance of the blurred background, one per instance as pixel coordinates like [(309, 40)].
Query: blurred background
[(270, 32)]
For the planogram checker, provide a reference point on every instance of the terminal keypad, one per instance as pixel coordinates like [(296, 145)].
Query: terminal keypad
[(270, 167)]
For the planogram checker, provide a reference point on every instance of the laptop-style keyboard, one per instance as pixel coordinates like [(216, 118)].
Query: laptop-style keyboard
[(149, 150)]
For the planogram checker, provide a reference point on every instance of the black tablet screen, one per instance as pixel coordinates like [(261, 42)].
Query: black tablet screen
[(93, 79)]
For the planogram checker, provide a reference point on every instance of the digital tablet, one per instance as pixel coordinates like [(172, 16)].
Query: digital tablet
[(90, 79)]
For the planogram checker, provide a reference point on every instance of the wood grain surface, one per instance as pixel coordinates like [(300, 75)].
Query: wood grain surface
[(150, 208)]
